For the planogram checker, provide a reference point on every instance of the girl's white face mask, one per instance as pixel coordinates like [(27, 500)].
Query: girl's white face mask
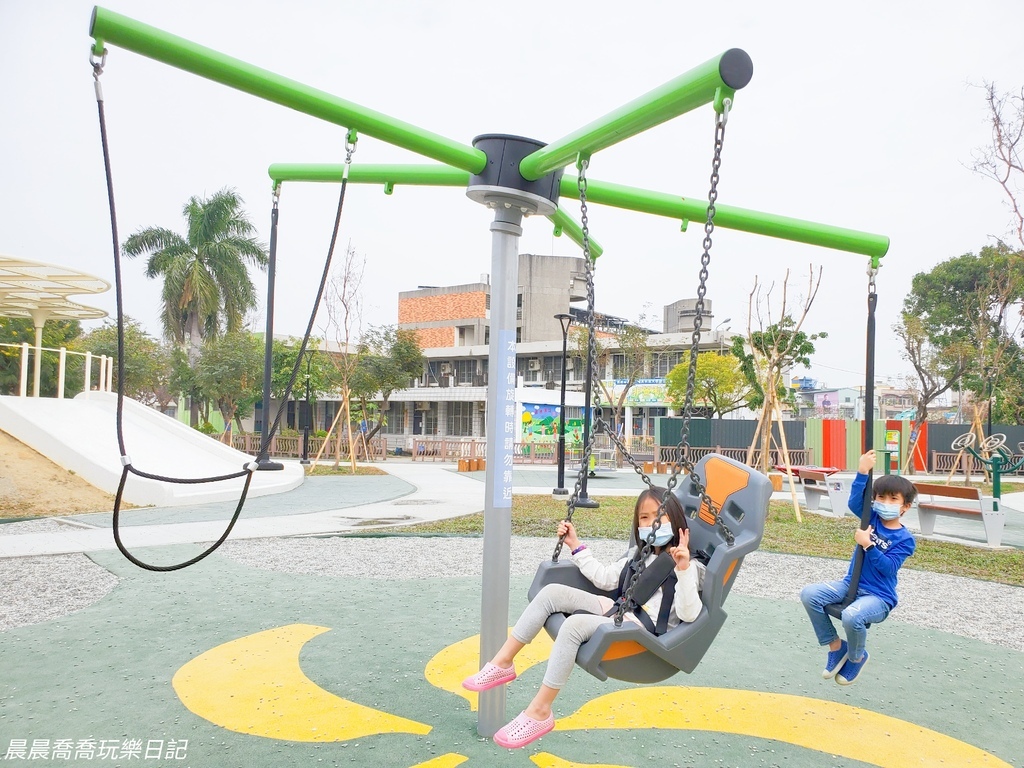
[(661, 538)]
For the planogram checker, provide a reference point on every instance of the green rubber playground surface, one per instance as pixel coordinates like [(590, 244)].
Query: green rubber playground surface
[(226, 665)]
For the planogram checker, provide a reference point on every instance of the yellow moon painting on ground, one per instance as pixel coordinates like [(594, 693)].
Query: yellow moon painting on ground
[(254, 685)]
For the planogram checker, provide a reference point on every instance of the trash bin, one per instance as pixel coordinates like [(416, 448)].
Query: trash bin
[(776, 480), (483, 465), (474, 465), (463, 465), (648, 467)]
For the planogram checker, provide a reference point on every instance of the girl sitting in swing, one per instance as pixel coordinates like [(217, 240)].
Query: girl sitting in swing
[(676, 600)]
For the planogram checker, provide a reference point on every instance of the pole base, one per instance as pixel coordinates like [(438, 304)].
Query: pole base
[(587, 503), (305, 462), (559, 492), (269, 466)]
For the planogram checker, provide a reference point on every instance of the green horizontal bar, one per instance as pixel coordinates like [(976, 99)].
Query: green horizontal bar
[(728, 217), (112, 28), (428, 175), (423, 175), (686, 92), (567, 224)]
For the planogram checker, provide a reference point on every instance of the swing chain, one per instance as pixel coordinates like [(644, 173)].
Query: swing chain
[(581, 183), (97, 64), (684, 462), (683, 447), (97, 70), (350, 149)]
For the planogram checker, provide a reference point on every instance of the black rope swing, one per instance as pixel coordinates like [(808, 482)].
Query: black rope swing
[(836, 609), (248, 468)]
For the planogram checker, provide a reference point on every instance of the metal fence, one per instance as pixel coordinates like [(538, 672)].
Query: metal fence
[(963, 463), (672, 454)]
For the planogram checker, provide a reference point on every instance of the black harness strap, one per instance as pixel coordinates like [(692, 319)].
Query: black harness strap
[(660, 574)]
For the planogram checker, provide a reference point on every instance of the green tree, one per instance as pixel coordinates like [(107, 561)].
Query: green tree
[(206, 285), (773, 351), (961, 318), (56, 334), (230, 373), (316, 367), (719, 386), (147, 364), (389, 359)]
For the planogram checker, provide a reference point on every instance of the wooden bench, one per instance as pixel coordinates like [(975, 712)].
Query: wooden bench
[(958, 501), (819, 485)]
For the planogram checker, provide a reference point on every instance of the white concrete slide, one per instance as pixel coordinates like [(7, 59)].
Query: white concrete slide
[(80, 435)]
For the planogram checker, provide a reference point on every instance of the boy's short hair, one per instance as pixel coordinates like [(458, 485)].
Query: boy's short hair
[(894, 484)]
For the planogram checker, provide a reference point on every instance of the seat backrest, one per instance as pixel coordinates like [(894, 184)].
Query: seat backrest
[(741, 495), (815, 477), (949, 491)]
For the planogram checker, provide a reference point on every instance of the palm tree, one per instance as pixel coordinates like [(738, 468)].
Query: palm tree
[(207, 289)]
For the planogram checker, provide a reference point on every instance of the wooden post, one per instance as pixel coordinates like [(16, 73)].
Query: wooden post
[(327, 438)]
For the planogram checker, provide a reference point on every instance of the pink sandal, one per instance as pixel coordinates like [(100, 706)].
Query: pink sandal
[(523, 730), (491, 676)]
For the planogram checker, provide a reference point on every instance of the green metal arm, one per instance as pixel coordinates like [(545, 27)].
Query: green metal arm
[(693, 209), (412, 174), (112, 28), (388, 175), (712, 81), (565, 223)]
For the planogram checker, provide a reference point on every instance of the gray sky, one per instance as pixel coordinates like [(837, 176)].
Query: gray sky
[(860, 116)]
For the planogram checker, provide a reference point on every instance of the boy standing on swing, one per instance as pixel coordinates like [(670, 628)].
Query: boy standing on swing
[(887, 544)]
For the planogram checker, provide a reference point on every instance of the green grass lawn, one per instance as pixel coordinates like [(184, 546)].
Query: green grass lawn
[(328, 468), (815, 536)]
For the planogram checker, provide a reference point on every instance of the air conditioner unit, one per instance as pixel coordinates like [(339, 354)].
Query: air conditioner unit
[(446, 368), (533, 364), (569, 364)]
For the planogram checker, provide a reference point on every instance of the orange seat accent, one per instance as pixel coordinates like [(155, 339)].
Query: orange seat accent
[(721, 480), (729, 571), (622, 650)]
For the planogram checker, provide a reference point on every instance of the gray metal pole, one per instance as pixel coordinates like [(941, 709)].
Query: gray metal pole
[(263, 459), (501, 426)]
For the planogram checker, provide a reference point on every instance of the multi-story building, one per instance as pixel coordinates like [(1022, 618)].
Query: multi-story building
[(452, 324)]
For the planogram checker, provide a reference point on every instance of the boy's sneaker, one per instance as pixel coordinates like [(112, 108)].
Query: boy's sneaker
[(850, 670), (835, 661)]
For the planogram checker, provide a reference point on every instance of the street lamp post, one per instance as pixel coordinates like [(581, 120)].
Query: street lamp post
[(309, 414), (583, 500), (721, 338), (565, 321), (988, 376)]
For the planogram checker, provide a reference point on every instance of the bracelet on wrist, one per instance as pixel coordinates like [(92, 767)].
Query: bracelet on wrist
[(579, 549)]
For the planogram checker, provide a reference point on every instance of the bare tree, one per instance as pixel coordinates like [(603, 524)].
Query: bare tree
[(1001, 159), (775, 346), (343, 303)]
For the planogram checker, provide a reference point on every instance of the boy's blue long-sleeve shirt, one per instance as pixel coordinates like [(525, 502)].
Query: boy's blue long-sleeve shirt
[(882, 561)]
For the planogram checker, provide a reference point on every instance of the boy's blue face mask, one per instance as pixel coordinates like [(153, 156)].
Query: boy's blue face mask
[(661, 538), (885, 510)]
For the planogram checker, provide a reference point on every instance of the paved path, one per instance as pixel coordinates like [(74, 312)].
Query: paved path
[(412, 492)]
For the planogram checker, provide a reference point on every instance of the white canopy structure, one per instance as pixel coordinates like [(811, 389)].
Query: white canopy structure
[(37, 291)]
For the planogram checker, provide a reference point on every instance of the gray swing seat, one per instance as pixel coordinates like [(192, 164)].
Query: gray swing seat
[(630, 652)]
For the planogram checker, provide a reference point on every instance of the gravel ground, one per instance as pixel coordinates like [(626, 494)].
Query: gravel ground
[(34, 590)]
